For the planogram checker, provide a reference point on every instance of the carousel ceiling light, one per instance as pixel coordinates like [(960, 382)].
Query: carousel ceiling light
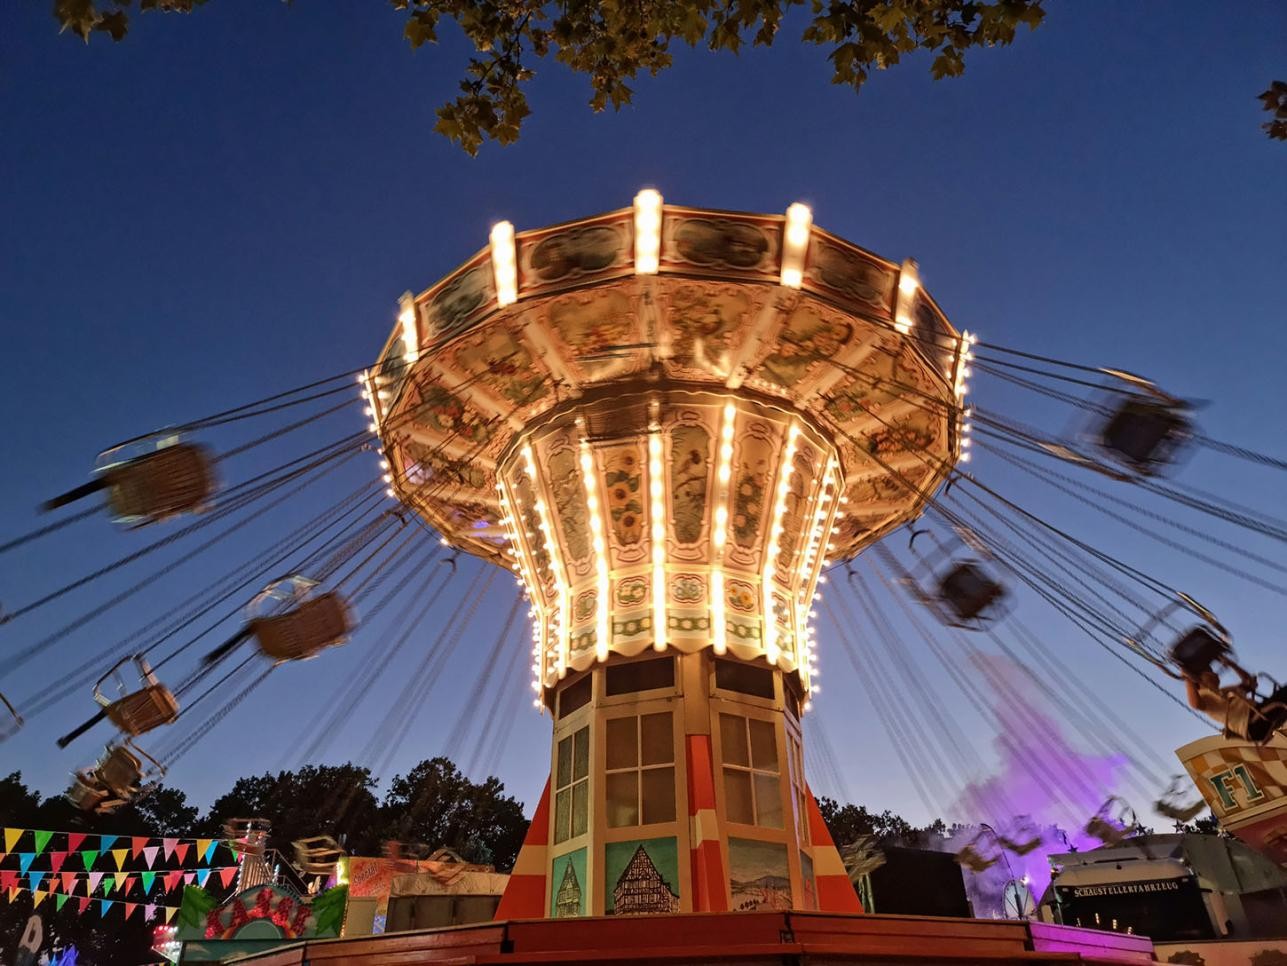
[(410, 336), (795, 243), (504, 263), (785, 471), (909, 282), (647, 232)]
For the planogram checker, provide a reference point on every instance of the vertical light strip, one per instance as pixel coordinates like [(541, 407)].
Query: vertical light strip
[(504, 263), (560, 644), (795, 242), (657, 514), (527, 578), (410, 330), (647, 232), (719, 525), (785, 470), (909, 280), (594, 510), (962, 386)]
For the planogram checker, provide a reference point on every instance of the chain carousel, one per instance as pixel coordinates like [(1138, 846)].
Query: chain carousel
[(672, 426)]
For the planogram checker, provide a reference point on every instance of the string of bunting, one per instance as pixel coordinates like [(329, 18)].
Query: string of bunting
[(104, 906), (68, 882), (142, 847)]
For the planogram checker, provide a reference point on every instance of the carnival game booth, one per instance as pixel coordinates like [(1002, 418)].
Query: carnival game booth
[(399, 892)]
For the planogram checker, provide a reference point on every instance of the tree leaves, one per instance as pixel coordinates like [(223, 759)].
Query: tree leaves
[(612, 42), (328, 910), (1275, 102)]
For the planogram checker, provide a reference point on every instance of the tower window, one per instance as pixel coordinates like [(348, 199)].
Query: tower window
[(640, 778), (641, 676), (572, 786), (744, 678), (752, 794)]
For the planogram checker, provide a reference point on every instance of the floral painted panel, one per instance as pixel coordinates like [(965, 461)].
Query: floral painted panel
[(567, 489), (809, 339), (624, 491), (704, 320), (690, 465), (498, 362), (460, 301), (753, 469)]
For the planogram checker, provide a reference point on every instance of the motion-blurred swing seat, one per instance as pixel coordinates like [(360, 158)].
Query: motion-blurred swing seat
[(1145, 432), (11, 721), (969, 592), (248, 836), (317, 855), (304, 630), (971, 859), (156, 485), (116, 779), (140, 711)]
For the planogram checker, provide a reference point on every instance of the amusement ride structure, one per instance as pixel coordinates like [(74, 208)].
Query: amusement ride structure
[(673, 425)]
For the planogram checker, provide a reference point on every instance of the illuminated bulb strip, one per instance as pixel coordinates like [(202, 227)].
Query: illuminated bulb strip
[(962, 386), (603, 627), (560, 644), (647, 232), (372, 408), (410, 331), (522, 567), (787, 468), (909, 281), (795, 242), (504, 263), (719, 531), (657, 514)]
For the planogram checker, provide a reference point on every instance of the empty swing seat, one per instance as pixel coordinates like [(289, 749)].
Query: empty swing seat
[(968, 591), (162, 484), (121, 771), (301, 632), (1144, 432), (143, 710)]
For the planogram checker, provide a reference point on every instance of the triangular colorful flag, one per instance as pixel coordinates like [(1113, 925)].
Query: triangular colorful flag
[(13, 893), (59, 901), (119, 855), (83, 905), (37, 898), (129, 909), (149, 854), (35, 878), (209, 850), (109, 884), (69, 882), (11, 836), (137, 843), (42, 839), (56, 860), (172, 880), (149, 911), (74, 839), (181, 851), (24, 861), (8, 878), (169, 846), (189, 878), (169, 913), (125, 882), (103, 906), (226, 875), (105, 842), (203, 846), (94, 879), (89, 856), (148, 879), (203, 876)]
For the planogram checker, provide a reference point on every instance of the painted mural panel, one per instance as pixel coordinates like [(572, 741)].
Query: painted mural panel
[(641, 876), (567, 875), (810, 887), (704, 319), (842, 272), (809, 339), (459, 301), (758, 875), (690, 452)]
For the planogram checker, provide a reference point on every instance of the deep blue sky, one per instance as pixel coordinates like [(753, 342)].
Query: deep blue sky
[(230, 203)]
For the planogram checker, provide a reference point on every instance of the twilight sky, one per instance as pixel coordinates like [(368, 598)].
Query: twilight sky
[(229, 204)]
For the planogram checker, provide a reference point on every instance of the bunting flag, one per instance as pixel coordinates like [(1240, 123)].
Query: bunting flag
[(105, 842), (24, 861), (149, 855), (149, 911), (94, 878), (69, 882), (148, 879), (169, 913), (74, 841), (137, 844), (84, 904), (37, 898), (103, 906), (35, 879), (119, 855), (42, 839), (109, 884), (172, 880), (59, 902), (89, 856), (125, 882), (8, 878), (204, 848), (169, 845), (189, 878), (129, 909), (56, 860), (11, 836), (181, 851), (203, 875), (227, 875)]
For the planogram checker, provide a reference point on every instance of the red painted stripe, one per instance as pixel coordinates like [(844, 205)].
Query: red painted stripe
[(701, 774), (538, 833), (835, 894), (524, 898), (710, 884)]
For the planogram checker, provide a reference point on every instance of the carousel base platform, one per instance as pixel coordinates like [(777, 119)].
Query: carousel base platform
[(746, 938)]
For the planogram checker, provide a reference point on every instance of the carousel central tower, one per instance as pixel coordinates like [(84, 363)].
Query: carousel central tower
[(668, 422)]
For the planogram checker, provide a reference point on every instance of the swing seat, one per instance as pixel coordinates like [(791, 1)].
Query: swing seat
[(1144, 433), (302, 632), (161, 484), (317, 855), (1268, 717), (1020, 848), (1106, 831), (969, 592), (121, 771), (1198, 650), (970, 858), (1176, 812), (143, 710), (85, 793)]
